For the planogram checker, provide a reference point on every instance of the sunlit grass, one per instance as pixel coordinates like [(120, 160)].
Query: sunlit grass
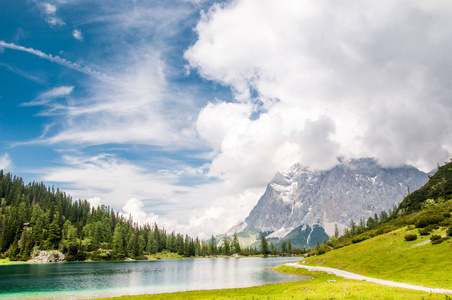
[(390, 257), (323, 286)]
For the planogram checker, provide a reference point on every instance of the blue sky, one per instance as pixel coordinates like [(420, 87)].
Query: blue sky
[(181, 112)]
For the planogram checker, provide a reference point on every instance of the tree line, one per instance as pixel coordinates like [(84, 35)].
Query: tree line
[(33, 216)]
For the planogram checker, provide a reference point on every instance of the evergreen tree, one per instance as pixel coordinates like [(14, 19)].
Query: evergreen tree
[(54, 234), (264, 245), (235, 244), (118, 242), (213, 246), (226, 246), (283, 246)]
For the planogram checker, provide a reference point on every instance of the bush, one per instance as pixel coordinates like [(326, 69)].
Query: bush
[(360, 238), (449, 231), (439, 241), (410, 237), (429, 218), (435, 237), (424, 231)]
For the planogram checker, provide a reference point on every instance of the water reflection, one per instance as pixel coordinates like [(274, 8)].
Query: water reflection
[(107, 279)]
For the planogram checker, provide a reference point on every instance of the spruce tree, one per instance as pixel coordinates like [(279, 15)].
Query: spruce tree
[(264, 245)]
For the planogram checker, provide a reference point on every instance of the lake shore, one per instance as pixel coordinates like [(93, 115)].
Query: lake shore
[(321, 286), (153, 257)]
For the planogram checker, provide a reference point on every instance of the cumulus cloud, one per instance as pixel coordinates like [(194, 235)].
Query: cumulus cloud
[(77, 34), (203, 222), (50, 16), (198, 210), (325, 79), (5, 161)]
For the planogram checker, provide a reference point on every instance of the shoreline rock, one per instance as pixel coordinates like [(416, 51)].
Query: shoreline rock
[(46, 256)]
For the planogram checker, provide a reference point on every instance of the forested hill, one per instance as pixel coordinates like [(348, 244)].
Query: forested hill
[(437, 190), (34, 216)]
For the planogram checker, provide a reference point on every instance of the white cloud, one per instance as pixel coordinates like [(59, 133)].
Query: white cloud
[(77, 34), (138, 107), (95, 201), (5, 161), (59, 60), (199, 210), (54, 93), (49, 12), (350, 78)]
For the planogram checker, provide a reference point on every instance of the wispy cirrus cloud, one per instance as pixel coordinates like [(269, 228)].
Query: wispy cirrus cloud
[(54, 93), (22, 73), (61, 61)]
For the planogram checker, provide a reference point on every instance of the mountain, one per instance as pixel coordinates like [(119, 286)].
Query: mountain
[(351, 190)]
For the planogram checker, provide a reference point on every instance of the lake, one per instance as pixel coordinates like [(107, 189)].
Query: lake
[(109, 279)]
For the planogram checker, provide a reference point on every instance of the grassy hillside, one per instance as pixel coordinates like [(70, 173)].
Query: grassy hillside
[(438, 189), (390, 256), (381, 250)]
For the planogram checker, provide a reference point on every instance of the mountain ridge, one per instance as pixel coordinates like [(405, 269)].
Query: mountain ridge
[(350, 190)]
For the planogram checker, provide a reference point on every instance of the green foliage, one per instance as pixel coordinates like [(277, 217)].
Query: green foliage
[(360, 238), (438, 187), (435, 237), (34, 215), (264, 245), (425, 231), (390, 257), (410, 237)]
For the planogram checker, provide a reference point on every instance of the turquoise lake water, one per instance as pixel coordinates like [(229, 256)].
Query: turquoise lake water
[(109, 279)]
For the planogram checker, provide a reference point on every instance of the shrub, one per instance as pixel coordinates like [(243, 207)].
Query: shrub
[(435, 237), (424, 231), (426, 219), (360, 238), (410, 237), (439, 241), (449, 231)]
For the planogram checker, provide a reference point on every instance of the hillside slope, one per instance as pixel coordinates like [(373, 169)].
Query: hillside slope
[(390, 256), (414, 245)]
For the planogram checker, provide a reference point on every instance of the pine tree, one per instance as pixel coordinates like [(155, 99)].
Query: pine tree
[(235, 244), (54, 234), (118, 241), (264, 245), (283, 247)]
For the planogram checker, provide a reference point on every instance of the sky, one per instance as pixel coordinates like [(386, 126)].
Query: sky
[(180, 112)]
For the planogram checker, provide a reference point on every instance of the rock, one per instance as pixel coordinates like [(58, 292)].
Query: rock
[(46, 256), (351, 190)]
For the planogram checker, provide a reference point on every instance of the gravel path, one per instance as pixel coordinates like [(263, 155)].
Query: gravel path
[(350, 275)]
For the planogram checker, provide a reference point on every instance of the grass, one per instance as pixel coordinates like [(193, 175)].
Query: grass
[(6, 261), (390, 257), (323, 286), (165, 255)]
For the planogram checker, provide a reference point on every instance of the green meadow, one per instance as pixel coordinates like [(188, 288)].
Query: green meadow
[(391, 257)]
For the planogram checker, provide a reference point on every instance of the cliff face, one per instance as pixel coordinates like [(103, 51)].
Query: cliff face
[(300, 196)]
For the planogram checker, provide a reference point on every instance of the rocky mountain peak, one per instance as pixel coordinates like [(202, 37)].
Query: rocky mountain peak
[(352, 189)]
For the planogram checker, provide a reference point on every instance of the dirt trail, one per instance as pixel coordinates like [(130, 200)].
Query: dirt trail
[(350, 275)]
